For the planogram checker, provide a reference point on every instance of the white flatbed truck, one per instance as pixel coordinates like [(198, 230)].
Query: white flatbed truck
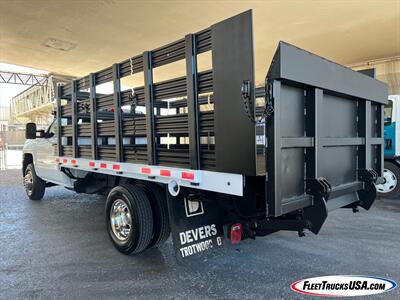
[(322, 147)]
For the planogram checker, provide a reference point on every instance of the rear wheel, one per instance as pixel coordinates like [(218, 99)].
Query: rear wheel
[(391, 187), (34, 186), (158, 202), (129, 218)]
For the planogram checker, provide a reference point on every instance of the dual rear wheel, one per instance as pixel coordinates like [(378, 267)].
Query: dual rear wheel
[(137, 217)]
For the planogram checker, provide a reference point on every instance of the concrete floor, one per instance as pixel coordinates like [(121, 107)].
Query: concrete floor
[(59, 248)]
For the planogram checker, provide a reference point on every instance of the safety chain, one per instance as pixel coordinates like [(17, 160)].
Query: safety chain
[(268, 108), (133, 95), (84, 106)]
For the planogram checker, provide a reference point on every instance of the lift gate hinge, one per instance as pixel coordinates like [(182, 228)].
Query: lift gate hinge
[(368, 194)]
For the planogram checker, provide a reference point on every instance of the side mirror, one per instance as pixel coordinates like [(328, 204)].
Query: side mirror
[(30, 132)]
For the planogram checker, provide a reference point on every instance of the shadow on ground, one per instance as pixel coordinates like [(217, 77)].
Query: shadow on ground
[(58, 247)]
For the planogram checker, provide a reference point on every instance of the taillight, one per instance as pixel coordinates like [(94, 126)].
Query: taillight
[(236, 233)]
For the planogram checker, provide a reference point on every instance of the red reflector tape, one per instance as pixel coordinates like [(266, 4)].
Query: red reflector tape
[(165, 173), (187, 175), (73, 161), (146, 170), (116, 167), (236, 233), (65, 161), (103, 165), (91, 164)]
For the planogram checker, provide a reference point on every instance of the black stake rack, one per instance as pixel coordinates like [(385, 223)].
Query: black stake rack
[(97, 127)]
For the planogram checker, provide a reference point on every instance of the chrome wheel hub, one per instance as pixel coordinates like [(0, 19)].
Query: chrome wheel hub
[(121, 220), (390, 182), (28, 181)]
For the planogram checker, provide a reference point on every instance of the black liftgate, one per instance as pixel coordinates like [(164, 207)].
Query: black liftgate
[(323, 139)]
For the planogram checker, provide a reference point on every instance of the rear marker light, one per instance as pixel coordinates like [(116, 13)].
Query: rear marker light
[(146, 170), (187, 175), (57, 160), (165, 173), (103, 165), (91, 164), (73, 161), (116, 167), (65, 161), (236, 233)]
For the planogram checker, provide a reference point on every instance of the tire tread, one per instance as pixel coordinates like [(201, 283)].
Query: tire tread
[(157, 196), (38, 184), (144, 217)]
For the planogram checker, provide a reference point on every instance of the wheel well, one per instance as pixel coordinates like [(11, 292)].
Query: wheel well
[(395, 160), (28, 159)]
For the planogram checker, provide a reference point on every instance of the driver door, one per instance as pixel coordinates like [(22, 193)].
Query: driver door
[(46, 149)]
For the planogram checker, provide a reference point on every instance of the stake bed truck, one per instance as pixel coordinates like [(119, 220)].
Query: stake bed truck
[(196, 157)]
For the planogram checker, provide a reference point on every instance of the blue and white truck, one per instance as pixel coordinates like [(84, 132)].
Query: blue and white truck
[(391, 172)]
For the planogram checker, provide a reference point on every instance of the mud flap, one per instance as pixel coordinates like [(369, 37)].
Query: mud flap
[(196, 225)]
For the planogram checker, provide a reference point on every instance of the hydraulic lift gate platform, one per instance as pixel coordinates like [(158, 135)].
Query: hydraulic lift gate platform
[(326, 129)]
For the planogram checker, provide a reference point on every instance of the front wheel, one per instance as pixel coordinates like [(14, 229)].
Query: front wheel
[(34, 186), (391, 187)]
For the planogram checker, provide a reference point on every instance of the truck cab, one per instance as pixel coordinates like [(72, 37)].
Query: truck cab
[(40, 150), (391, 172)]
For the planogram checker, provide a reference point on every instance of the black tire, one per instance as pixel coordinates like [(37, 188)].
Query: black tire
[(393, 171), (34, 186), (139, 207), (158, 201)]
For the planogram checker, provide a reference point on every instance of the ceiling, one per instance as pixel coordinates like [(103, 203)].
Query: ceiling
[(103, 32)]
